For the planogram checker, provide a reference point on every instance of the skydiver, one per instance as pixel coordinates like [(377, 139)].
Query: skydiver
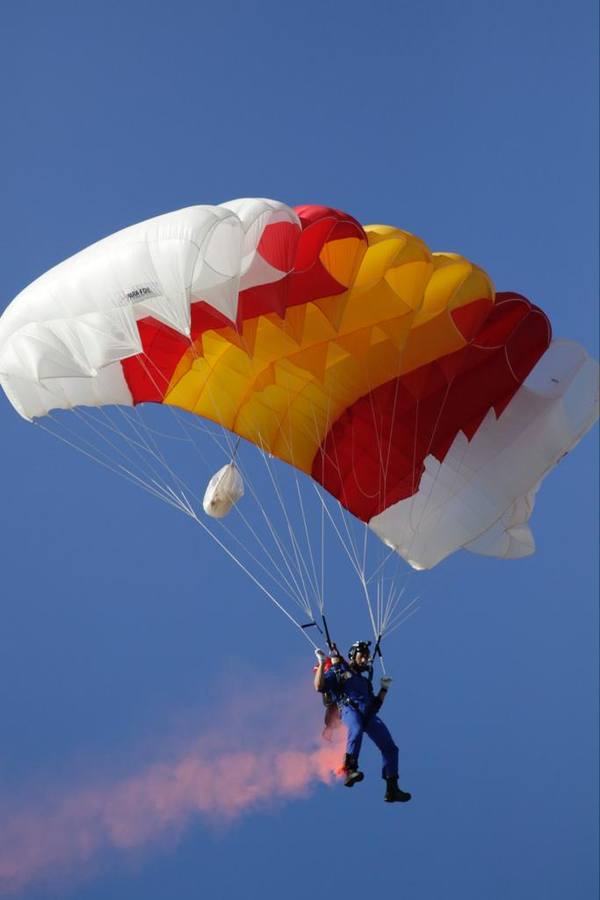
[(350, 688)]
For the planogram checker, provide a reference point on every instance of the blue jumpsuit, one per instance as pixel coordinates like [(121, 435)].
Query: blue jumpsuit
[(353, 694)]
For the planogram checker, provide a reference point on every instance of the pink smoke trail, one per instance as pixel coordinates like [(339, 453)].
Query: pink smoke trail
[(280, 760)]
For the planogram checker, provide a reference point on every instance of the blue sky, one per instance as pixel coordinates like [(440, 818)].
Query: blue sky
[(473, 125)]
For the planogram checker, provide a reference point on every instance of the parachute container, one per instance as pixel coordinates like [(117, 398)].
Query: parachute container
[(224, 490)]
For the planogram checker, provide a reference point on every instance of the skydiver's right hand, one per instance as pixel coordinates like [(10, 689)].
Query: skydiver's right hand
[(321, 657)]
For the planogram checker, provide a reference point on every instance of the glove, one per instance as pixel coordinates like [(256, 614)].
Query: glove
[(320, 656), (385, 683)]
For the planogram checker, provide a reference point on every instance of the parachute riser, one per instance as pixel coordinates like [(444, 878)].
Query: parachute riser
[(376, 653), (330, 643), (324, 631)]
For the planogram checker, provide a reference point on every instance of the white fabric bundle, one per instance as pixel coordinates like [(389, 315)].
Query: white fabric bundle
[(224, 490)]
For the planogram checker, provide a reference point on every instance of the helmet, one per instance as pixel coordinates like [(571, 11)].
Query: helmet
[(359, 647)]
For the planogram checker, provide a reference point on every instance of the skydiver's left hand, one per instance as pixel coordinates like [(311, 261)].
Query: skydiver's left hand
[(385, 683)]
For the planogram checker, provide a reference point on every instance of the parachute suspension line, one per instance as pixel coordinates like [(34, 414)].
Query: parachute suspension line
[(164, 492), (305, 574), (155, 451), (381, 565), (386, 465), (276, 575), (318, 441), (364, 553), (110, 426), (180, 505), (337, 531), (381, 492), (119, 470), (382, 619), (300, 599), (96, 430), (319, 491), (301, 566), (345, 521), (238, 562), (189, 426), (391, 600), (355, 564), (318, 594), (277, 541), (154, 485), (152, 455), (232, 452), (299, 563), (409, 610), (369, 604), (148, 441), (377, 430), (235, 449), (349, 546), (311, 578), (180, 499), (387, 602), (299, 557), (365, 586), (282, 585), (347, 526), (135, 443), (393, 591), (393, 415), (358, 560), (294, 593), (322, 593), (291, 590), (318, 589)]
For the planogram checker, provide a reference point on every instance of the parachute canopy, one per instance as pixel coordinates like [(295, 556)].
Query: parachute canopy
[(428, 404)]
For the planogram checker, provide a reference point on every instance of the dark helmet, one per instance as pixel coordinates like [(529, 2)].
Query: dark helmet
[(359, 647)]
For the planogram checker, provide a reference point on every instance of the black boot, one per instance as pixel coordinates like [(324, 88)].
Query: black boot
[(393, 794), (351, 773)]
